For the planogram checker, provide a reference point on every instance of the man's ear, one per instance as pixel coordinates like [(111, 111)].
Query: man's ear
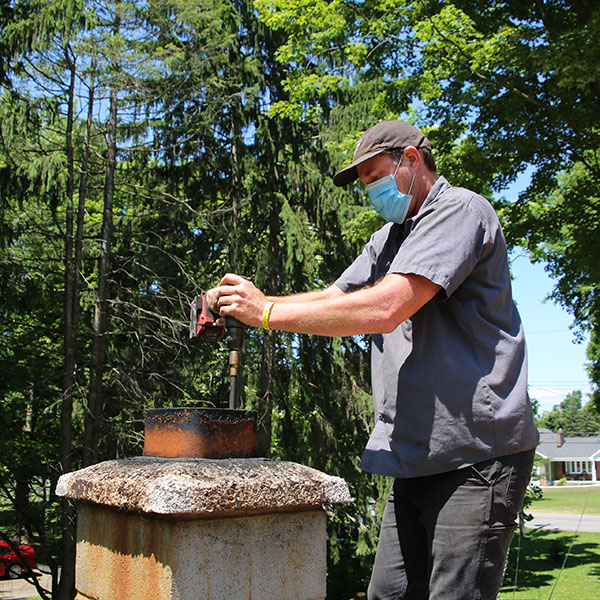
[(412, 155)]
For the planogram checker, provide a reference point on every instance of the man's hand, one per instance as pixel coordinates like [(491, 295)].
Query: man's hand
[(237, 297)]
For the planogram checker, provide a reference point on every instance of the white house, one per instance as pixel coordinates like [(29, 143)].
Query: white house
[(575, 458)]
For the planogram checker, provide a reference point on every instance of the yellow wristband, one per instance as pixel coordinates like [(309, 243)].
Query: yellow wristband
[(266, 314)]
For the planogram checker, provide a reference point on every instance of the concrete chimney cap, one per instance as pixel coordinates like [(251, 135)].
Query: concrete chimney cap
[(199, 486)]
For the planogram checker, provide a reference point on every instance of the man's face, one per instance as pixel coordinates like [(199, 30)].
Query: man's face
[(404, 173), (377, 167), (384, 164)]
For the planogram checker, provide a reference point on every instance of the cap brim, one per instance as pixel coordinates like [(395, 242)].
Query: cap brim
[(349, 174)]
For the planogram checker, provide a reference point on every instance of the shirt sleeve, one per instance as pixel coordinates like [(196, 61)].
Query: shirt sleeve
[(447, 240)]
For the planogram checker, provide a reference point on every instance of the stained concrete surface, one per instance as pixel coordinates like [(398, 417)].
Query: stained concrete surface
[(281, 556)]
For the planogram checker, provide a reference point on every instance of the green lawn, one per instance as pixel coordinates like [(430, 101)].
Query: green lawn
[(542, 552), (569, 500), (541, 556)]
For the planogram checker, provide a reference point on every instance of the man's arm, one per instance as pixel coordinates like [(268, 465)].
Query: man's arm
[(376, 309), (329, 292)]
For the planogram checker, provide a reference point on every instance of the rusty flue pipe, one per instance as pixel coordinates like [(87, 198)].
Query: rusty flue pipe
[(200, 433)]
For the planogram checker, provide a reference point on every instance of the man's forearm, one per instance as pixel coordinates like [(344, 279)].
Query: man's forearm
[(329, 292), (377, 309)]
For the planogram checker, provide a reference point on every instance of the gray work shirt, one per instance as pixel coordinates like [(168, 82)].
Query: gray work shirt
[(450, 383)]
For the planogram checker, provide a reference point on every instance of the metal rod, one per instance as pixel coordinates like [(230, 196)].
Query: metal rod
[(233, 392), (234, 364)]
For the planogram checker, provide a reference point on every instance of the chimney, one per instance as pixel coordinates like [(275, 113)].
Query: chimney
[(199, 516), (560, 438)]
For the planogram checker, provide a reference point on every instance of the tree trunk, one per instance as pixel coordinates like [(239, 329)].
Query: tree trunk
[(83, 177), (66, 588), (70, 276), (95, 396)]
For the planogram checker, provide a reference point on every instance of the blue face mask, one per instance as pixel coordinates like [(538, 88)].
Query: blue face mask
[(387, 200)]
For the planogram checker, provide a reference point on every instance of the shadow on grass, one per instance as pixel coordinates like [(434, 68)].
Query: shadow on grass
[(542, 554), (595, 571)]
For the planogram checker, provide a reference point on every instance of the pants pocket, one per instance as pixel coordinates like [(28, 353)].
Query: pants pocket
[(518, 481)]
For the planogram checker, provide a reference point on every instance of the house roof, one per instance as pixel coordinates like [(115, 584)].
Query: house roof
[(573, 448)]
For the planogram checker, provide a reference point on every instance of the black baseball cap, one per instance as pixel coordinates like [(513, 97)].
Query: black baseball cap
[(383, 137)]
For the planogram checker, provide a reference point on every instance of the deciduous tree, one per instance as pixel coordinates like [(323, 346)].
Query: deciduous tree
[(501, 88)]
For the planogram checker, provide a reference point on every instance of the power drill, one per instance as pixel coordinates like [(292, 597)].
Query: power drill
[(205, 328)]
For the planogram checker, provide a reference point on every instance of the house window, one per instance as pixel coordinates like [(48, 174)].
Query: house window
[(578, 466)]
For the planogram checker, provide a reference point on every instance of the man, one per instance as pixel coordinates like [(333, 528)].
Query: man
[(453, 423)]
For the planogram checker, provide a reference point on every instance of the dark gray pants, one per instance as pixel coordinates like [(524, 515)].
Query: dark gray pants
[(446, 536)]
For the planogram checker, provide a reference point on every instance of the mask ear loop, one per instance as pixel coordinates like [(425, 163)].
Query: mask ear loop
[(412, 181)]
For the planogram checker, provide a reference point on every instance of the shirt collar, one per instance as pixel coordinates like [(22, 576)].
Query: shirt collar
[(440, 186)]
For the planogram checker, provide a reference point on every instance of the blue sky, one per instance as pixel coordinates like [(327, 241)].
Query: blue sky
[(556, 362)]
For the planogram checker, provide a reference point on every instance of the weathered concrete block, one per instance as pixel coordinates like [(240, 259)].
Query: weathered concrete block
[(124, 556), (203, 487), (201, 529)]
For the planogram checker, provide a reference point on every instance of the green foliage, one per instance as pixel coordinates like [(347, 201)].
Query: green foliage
[(362, 226), (593, 354), (532, 493), (571, 417), (30, 347)]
